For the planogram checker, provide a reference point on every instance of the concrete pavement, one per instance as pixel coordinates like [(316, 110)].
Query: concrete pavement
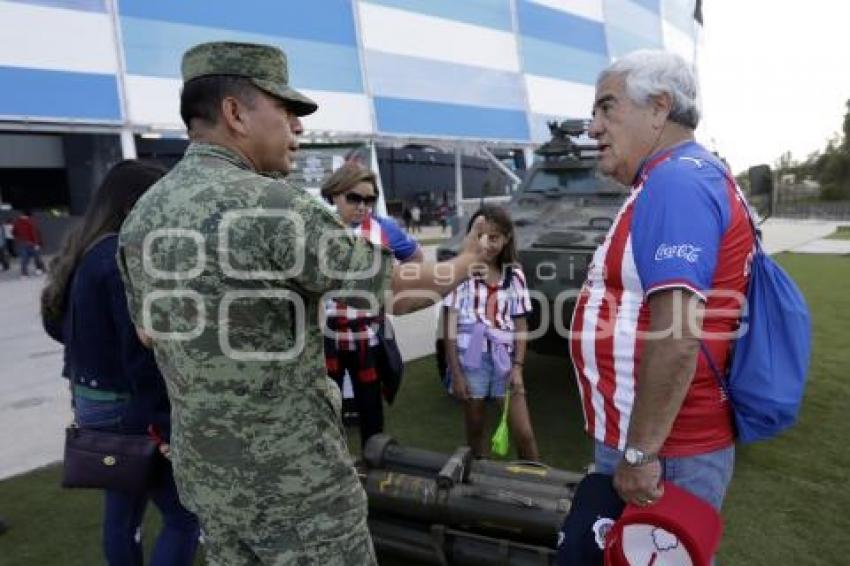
[(34, 400), (781, 235)]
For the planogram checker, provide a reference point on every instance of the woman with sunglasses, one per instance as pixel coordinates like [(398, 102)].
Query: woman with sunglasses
[(355, 342)]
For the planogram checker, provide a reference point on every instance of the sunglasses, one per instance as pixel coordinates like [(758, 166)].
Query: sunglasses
[(355, 198)]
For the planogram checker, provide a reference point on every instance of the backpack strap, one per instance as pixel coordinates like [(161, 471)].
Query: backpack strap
[(714, 369), (759, 249), (746, 206)]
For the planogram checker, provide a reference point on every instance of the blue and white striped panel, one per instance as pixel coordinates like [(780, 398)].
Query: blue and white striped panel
[(400, 32), (588, 9), (560, 27), (439, 76), (319, 40), (329, 21), (494, 14), (154, 48), (43, 94), (679, 28), (155, 102), (561, 62), (650, 5), (86, 5), (563, 50), (553, 97), (434, 119), (400, 76), (71, 76), (632, 25)]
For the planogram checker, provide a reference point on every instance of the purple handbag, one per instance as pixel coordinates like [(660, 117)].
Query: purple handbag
[(108, 460)]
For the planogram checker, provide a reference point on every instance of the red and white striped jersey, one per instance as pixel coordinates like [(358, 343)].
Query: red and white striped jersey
[(495, 305), (350, 324), (683, 226)]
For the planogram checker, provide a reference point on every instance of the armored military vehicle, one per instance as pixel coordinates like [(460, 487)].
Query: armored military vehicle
[(562, 211)]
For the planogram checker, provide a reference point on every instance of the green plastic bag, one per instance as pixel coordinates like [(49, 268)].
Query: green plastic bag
[(501, 441)]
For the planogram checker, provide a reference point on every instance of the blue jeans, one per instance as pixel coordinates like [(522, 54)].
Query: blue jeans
[(28, 252), (705, 475), (123, 512)]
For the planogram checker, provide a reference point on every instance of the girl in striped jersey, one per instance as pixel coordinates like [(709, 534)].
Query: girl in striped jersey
[(485, 329)]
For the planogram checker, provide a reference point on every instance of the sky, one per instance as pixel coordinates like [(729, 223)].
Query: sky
[(775, 76)]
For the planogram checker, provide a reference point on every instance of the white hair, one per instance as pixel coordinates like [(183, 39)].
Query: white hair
[(649, 73)]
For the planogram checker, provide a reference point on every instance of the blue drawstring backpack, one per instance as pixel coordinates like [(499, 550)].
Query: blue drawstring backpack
[(770, 358)]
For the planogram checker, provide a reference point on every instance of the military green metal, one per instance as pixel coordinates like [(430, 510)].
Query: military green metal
[(480, 509), (449, 509), (440, 545), (384, 452), (562, 212)]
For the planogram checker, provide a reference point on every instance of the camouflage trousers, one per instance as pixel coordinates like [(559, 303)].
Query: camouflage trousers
[(312, 541)]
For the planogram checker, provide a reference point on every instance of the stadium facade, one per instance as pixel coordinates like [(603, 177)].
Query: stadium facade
[(84, 82)]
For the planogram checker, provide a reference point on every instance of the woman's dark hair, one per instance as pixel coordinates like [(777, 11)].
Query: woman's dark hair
[(109, 206), (500, 217), (343, 179), (201, 98)]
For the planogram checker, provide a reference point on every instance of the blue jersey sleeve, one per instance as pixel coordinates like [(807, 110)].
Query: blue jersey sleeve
[(679, 220), (402, 244)]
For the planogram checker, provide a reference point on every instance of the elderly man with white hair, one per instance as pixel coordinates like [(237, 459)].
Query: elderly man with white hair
[(665, 287)]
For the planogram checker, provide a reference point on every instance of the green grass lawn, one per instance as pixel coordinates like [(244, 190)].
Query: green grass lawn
[(789, 502), (842, 233)]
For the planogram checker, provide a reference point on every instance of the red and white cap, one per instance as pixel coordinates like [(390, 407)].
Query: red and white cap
[(679, 530)]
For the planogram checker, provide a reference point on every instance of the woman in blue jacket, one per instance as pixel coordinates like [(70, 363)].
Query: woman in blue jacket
[(115, 383)]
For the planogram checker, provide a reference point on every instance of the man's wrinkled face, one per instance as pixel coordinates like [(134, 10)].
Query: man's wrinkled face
[(272, 133), (623, 129)]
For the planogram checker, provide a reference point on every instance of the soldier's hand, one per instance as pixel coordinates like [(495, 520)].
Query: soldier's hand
[(474, 243)]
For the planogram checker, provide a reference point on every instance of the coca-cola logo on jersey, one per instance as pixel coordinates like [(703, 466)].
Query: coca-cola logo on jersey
[(688, 252)]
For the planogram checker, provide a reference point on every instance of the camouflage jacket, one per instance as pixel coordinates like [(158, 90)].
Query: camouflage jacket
[(226, 269)]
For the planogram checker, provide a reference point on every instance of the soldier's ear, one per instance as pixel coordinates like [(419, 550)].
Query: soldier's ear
[(233, 115)]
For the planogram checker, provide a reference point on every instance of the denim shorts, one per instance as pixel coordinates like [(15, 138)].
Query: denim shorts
[(705, 475), (483, 381)]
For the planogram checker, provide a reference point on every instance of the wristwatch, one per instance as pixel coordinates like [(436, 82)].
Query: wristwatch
[(636, 457)]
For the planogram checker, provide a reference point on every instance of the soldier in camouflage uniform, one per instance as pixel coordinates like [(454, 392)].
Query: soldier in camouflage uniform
[(225, 267)]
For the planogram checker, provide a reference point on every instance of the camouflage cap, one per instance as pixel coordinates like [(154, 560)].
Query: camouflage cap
[(264, 65)]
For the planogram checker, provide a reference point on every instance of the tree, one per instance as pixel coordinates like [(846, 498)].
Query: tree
[(832, 167)]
